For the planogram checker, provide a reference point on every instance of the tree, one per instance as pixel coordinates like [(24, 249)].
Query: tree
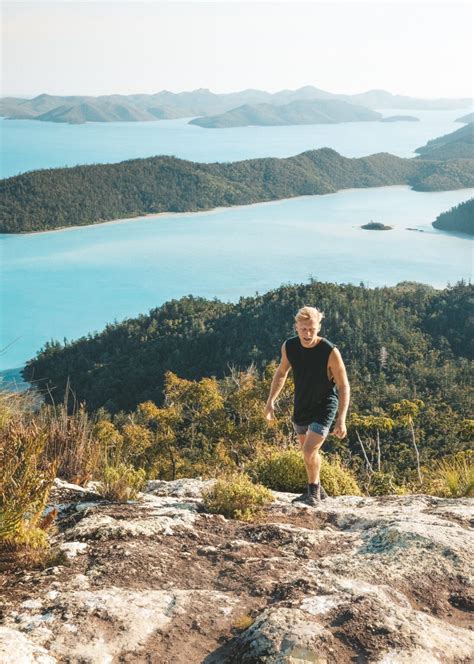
[(406, 413)]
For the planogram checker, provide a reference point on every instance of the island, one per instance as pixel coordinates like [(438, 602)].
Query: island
[(458, 144), (321, 111), (400, 118), (376, 226), (459, 218), (61, 197)]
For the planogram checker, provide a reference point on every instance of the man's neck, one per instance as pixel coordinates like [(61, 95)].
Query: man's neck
[(313, 344)]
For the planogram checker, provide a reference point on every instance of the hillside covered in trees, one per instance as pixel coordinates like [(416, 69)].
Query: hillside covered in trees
[(405, 342), (57, 198), (458, 144), (466, 118), (459, 218)]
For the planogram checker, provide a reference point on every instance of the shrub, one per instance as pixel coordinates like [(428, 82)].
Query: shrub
[(338, 479), (452, 476), (237, 497), (281, 470), (121, 482), (284, 470), (243, 622), (382, 484), (25, 483)]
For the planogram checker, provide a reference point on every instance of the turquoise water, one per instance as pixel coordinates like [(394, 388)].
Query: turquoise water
[(31, 144), (68, 283)]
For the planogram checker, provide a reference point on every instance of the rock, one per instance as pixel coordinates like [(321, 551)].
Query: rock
[(284, 636), (383, 580), (16, 648), (185, 488), (31, 604), (72, 549), (104, 527)]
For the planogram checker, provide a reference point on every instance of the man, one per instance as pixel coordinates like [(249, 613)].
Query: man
[(321, 391)]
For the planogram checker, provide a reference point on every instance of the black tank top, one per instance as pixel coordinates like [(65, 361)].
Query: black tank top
[(310, 372)]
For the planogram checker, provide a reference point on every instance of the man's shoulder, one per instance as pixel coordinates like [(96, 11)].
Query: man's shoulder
[(291, 347), (328, 343)]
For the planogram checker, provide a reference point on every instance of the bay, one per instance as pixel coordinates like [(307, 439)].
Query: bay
[(71, 282), (32, 144)]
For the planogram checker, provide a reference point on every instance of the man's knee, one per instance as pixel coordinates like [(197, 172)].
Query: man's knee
[(301, 440), (312, 444)]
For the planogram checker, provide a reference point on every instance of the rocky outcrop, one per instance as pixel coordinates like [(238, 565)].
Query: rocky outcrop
[(383, 580)]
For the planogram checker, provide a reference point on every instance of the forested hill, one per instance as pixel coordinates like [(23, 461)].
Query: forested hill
[(466, 118), (57, 198), (458, 144), (459, 218), (401, 342)]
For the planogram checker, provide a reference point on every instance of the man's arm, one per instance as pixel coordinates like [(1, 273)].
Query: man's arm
[(338, 372), (277, 385)]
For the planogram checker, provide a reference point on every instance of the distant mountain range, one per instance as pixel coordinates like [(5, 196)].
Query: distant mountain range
[(197, 103), (458, 144)]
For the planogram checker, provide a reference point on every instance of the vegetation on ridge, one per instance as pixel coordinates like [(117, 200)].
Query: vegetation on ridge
[(56, 198), (458, 144), (403, 344), (459, 218)]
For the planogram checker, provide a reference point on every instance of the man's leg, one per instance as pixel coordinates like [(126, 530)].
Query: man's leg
[(312, 459), (302, 440)]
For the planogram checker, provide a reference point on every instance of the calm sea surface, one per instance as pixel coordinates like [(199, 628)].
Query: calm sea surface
[(68, 283), (31, 144)]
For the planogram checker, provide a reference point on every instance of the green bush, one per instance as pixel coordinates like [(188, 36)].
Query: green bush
[(237, 498), (382, 484), (121, 482), (337, 479), (452, 476), (284, 470), (281, 470)]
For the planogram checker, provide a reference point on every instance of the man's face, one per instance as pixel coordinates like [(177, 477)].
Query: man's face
[(307, 331)]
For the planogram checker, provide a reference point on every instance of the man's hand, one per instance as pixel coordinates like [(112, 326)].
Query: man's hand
[(269, 413), (340, 430)]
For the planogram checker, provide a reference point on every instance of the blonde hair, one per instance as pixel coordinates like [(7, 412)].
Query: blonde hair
[(306, 314)]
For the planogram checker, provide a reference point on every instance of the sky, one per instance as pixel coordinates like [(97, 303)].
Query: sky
[(422, 49)]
